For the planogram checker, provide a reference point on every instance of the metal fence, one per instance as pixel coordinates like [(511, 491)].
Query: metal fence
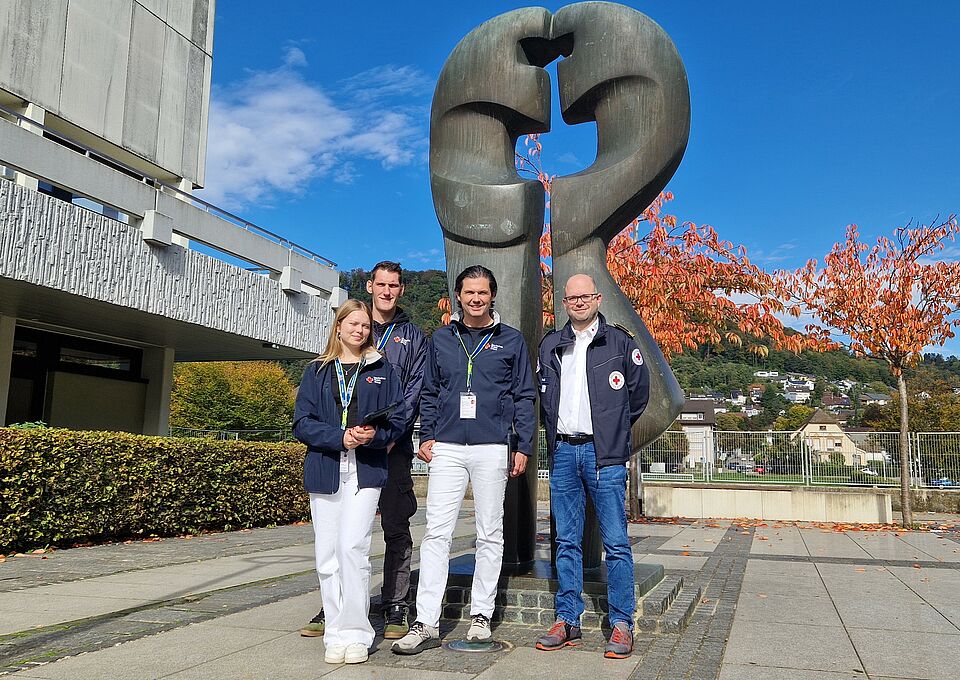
[(828, 458)]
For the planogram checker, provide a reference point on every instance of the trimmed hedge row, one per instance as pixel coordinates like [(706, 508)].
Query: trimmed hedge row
[(61, 486)]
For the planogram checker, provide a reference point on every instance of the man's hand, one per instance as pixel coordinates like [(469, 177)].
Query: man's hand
[(519, 464), (426, 450)]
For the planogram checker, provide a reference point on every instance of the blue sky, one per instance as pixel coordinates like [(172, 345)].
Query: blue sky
[(804, 119)]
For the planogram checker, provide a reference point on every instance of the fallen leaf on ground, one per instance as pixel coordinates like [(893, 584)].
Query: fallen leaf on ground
[(861, 570), (916, 566), (685, 553), (762, 538), (761, 595)]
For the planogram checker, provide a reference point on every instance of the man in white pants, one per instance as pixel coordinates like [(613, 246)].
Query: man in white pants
[(477, 422)]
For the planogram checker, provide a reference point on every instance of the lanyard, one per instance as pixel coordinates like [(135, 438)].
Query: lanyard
[(346, 391), (472, 355), (382, 342)]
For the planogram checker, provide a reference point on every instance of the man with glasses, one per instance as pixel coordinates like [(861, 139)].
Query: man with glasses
[(404, 345), (593, 387)]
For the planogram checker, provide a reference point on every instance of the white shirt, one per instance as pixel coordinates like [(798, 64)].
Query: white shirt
[(574, 412)]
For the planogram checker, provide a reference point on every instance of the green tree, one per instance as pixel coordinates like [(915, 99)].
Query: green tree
[(795, 416), (241, 395)]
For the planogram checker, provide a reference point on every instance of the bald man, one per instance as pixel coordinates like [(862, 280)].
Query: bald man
[(593, 387)]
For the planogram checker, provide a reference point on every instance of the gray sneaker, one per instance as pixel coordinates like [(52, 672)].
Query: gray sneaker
[(620, 644), (479, 629), (420, 637)]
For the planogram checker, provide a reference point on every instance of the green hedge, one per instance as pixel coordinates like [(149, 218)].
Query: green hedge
[(58, 487)]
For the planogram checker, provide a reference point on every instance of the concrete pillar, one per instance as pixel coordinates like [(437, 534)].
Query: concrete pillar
[(7, 326), (158, 369), (37, 114)]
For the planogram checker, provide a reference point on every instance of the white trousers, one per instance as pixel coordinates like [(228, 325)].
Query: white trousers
[(485, 466), (342, 526)]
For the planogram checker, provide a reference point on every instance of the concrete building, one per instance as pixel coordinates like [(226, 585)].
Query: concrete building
[(697, 419), (109, 269), (826, 439)]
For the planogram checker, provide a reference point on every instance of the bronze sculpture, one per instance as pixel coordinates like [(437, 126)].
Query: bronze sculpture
[(622, 71)]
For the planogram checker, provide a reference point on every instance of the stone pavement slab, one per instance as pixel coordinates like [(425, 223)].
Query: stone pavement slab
[(825, 543), (888, 546), (695, 538), (906, 654), (154, 656), (785, 645), (529, 664), (778, 541)]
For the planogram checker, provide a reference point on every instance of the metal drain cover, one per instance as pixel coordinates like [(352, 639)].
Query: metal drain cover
[(488, 647)]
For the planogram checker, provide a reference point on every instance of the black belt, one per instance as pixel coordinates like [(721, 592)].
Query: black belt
[(576, 439)]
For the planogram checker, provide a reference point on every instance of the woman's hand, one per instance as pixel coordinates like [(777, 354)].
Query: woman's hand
[(363, 433), (349, 440)]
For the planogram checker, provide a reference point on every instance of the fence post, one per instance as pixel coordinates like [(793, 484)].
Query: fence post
[(919, 464), (807, 465)]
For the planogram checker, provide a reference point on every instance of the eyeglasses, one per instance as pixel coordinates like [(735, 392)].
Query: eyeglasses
[(586, 297)]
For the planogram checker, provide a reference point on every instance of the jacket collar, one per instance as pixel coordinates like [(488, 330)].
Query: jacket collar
[(568, 338), (456, 321), (400, 317)]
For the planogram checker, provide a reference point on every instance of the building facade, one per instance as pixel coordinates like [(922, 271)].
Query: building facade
[(110, 270)]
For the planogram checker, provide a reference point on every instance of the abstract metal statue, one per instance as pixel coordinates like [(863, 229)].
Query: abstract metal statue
[(622, 72)]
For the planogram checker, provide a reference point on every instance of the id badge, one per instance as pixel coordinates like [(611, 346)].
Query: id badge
[(468, 406)]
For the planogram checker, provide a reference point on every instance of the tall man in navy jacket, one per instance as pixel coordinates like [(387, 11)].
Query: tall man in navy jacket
[(402, 342), (593, 387), (477, 423)]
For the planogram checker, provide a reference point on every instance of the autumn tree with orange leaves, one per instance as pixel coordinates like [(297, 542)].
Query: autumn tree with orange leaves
[(688, 285), (888, 302)]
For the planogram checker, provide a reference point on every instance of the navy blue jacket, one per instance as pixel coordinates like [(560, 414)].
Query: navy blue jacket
[(618, 383), (405, 349), (316, 423), (502, 380)]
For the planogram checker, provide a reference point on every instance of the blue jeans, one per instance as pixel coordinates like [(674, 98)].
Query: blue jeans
[(574, 470)]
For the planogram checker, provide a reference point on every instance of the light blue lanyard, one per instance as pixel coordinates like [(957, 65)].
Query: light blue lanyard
[(472, 355), (346, 391), (382, 342)]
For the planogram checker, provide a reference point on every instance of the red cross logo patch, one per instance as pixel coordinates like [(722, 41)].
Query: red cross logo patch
[(616, 380), (369, 378), (637, 357)]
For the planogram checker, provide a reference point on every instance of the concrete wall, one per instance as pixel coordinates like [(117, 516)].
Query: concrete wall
[(134, 72), (85, 402), (786, 503), (47, 242)]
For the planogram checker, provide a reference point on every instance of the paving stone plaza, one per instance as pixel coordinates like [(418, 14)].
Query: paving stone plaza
[(777, 600)]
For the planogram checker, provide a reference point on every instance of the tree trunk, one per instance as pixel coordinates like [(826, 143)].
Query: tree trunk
[(904, 454)]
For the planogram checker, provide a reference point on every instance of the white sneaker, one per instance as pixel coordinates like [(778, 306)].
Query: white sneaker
[(334, 653), (479, 629), (420, 637), (355, 653)]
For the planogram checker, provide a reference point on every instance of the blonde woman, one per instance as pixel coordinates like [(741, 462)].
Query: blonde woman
[(346, 467)]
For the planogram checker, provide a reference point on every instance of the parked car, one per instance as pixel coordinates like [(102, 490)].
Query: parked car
[(868, 471), (942, 482), (759, 469)]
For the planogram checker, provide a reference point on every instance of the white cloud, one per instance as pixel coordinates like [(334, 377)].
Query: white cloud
[(273, 132), (431, 256), (386, 82)]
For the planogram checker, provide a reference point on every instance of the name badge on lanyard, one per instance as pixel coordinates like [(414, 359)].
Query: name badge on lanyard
[(346, 390), (468, 400)]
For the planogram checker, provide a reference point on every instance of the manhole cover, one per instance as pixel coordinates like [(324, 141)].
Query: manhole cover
[(477, 647)]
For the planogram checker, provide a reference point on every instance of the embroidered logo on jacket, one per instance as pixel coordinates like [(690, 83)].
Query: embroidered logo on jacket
[(637, 357), (375, 379), (402, 341), (616, 380)]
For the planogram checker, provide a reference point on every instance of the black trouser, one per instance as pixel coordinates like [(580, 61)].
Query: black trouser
[(397, 505)]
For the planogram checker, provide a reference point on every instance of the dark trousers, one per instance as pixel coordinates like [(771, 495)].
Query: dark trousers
[(397, 505)]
